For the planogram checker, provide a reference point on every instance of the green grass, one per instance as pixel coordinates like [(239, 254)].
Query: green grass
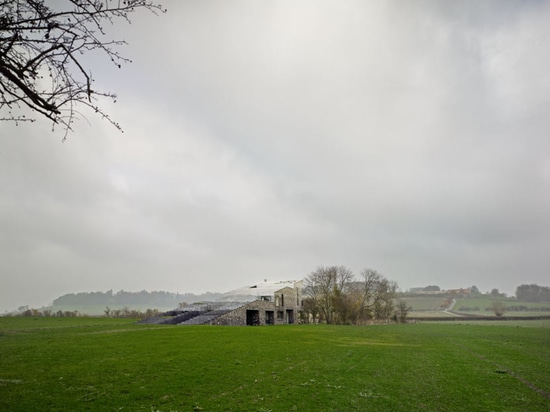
[(430, 314), (429, 306), (92, 364), (424, 303), (484, 302)]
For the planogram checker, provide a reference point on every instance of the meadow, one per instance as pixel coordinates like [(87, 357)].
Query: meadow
[(102, 364), (430, 306)]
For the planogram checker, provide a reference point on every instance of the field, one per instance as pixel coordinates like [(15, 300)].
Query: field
[(100, 364), (430, 306), (481, 303), (423, 303)]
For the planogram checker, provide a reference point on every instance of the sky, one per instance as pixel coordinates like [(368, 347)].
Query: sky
[(265, 139)]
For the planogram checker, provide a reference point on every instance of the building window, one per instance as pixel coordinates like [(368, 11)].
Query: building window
[(280, 315)]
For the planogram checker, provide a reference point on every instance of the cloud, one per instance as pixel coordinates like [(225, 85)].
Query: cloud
[(264, 139)]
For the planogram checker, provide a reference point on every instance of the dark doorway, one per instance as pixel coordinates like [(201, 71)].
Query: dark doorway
[(289, 316), (252, 317), (269, 317)]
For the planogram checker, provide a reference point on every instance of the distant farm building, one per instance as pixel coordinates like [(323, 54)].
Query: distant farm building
[(266, 303)]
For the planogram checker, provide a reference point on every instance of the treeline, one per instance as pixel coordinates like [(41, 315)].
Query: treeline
[(334, 295), (533, 293), (424, 289), (25, 311), (125, 312), (122, 298)]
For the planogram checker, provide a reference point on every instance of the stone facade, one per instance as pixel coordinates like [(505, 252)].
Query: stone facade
[(281, 308)]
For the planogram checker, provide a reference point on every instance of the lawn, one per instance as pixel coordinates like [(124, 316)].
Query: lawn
[(95, 364)]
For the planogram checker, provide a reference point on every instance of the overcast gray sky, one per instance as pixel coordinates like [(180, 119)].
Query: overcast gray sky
[(266, 138)]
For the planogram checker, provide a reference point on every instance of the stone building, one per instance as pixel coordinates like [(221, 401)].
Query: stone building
[(275, 304), (266, 303)]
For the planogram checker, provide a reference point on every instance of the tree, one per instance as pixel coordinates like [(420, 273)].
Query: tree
[(402, 311), (378, 295), (337, 297), (43, 51), (495, 293), (371, 278), (325, 287), (385, 295), (310, 310), (533, 293), (498, 307), (432, 288)]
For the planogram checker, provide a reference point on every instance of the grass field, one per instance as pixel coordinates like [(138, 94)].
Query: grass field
[(100, 364), (430, 306), (485, 302), (425, 303)]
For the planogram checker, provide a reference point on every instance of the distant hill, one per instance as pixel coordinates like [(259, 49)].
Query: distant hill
[(83, 301)]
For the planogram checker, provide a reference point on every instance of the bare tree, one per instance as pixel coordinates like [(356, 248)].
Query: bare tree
[(402, 310), (327, 287), (310, 311), (350, 309), (335, 294), (42, 49), (378, 295), (371, 278), (384, 302), (498, 307)]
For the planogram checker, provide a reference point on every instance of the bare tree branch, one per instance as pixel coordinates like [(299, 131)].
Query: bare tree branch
[(40, 49)]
